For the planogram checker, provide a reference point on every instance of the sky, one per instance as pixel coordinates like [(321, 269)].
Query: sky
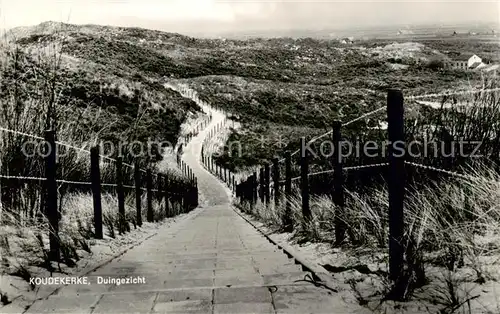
[(213, 16)]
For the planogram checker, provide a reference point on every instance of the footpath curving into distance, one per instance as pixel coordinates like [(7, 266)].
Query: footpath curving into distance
[(211, 262)]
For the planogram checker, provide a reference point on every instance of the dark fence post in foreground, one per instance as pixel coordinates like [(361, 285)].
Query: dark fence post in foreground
[(276, 180), (395, 115), (149, 188), (267, 181), (287, 219), (95, 174), (138, 194), (121, 195), (304, 179), (338, 182), (51, 202)]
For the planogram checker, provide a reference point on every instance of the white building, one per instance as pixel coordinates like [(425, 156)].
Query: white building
[(464, 63), (474, 61)]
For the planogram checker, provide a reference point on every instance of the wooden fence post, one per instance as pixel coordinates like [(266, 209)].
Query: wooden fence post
[(185, 196), (246, 190), (254, 188), (149, 188), (138, 194), (276, 180), (51, 202), (287, 219), (166, 196), (338, 183), (196, 202), (304, 180), (243, 191), (267, 181), (174, 197), (121, 195), (396, 184), (261, 185), (250, 189), (95, 173), (159, 195)]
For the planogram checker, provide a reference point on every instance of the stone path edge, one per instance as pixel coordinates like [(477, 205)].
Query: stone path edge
[(85, 272), (319, 273)]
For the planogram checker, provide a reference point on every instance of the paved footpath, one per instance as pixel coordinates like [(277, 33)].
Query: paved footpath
[(211, 262)]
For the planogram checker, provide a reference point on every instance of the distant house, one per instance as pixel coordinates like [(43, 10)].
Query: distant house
[(463, 62), (347, 40)]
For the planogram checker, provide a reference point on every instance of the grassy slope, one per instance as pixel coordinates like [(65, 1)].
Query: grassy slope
[(309, 83), (101, 68)]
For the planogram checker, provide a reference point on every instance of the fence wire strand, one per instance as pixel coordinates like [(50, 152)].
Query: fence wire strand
[(384, 107), (22, 178), (364, 116), (73, 182), (451, 173), (442, 94), (366, 166), (22, 133), (314, 139), (320, 172), (80, 149)]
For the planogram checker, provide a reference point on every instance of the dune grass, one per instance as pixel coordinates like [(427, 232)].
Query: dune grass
[(42, 89), (452, 231)]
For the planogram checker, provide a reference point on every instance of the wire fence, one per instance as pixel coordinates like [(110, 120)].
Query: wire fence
[(267, 181), (257, 187), (57, 177)]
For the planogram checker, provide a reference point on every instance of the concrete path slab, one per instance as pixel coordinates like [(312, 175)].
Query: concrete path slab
[(244, 308)]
